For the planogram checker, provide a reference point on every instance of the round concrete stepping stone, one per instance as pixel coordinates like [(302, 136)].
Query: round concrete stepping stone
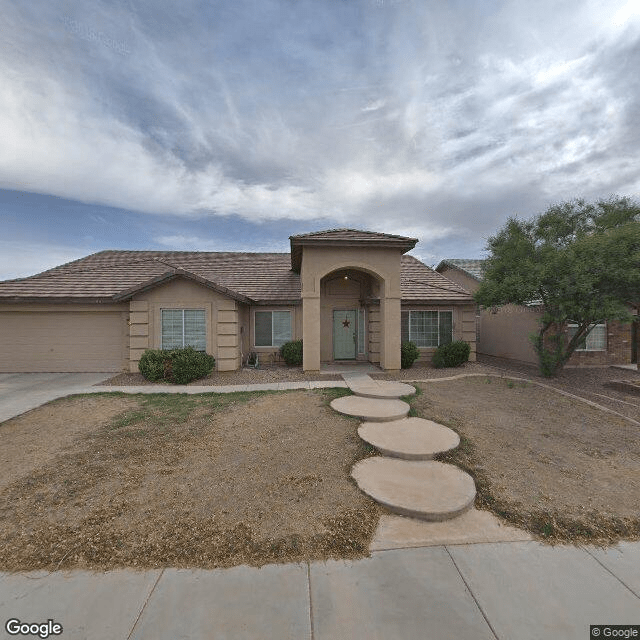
[(383, 389), (409, 438), (374, 410), (427, 490)]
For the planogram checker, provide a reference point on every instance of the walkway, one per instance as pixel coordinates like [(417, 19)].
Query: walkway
[(504, 591), (405, 479)]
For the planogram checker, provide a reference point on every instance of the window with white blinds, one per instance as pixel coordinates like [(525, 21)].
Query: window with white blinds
[(272, 328), (595, 341), (427, 328), (183, 328)]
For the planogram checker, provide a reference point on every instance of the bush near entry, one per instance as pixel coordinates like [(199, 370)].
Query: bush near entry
[(409, 353), (451, 355), (291, 352), (179, 366)]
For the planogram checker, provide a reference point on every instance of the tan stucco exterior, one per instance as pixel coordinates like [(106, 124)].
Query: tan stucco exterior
[(470, 283), (222, 318), (382, 265), (63, 337), (340, 271), (464, 326)]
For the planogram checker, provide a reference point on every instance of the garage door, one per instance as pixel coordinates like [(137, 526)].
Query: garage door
[(61, 341)]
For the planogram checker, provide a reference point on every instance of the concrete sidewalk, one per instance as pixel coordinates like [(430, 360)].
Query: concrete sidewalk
[(509, 590), (21, 392)]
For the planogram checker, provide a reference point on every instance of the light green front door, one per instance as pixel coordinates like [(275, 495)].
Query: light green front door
[(344, 335)]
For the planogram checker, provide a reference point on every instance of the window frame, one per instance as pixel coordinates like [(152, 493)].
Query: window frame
[(587, 348), (438, 311), (182, 309), (271, 311)]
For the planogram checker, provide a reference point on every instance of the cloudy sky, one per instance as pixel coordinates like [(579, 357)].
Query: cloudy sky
[(230, 125)]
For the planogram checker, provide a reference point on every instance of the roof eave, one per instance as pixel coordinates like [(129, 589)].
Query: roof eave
[(60, 299), (177, 273)]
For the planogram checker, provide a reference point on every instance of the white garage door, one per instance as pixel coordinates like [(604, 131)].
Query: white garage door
[(61, 341)]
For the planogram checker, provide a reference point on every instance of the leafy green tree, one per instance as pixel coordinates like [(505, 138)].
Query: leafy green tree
[(580, 260)]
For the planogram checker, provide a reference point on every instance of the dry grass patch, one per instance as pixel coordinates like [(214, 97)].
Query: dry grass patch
[(555, 466), (210, 480)]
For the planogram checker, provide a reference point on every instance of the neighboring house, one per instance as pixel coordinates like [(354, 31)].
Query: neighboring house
[(350, 295), (504, 332)]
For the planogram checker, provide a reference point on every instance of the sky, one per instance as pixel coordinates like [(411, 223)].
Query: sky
[(229, 126)]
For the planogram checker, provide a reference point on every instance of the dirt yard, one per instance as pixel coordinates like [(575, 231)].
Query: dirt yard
[(187, 481), (545, 462), (216, 480)]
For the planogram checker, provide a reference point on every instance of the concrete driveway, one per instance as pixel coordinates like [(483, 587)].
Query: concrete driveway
[(20, 392)]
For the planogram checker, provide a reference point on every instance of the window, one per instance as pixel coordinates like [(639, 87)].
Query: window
[(272, 328), (184, 327), (427, 328), (595, 341)]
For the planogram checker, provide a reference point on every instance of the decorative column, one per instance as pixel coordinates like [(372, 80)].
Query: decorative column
[(311, 331), (390, 330)]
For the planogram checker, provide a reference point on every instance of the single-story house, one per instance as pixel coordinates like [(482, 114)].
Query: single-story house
[(348, 294), (504, 332)]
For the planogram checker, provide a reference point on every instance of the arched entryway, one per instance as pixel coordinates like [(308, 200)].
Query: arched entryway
[(349, 300)]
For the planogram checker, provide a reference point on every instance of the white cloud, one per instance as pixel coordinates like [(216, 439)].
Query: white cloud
[(408, 117), (22, 259)]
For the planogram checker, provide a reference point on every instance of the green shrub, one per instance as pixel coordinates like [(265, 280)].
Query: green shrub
[(292, 352), (451, 355), (151, 364), (409, 353), (179, 366), (188, 364)]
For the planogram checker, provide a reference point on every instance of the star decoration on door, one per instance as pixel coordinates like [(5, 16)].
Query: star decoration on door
[(346, 323)]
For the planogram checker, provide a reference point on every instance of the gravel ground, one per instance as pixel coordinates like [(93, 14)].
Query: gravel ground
[(555, 466), (586, 382)]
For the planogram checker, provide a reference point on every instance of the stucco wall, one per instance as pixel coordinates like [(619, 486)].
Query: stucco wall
[(464, 327), (383, 264), (222, 318), (271, 355), (338, 293), (464, 280), (504, 332)]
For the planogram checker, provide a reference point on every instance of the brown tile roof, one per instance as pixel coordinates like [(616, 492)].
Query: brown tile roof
[(351, 234), (248, 277), (471, 267), (346, 238), (420, 283)]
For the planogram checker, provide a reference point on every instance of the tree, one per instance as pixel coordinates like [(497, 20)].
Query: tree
[(580, 260)]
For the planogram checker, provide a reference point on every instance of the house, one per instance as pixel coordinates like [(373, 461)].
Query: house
[(350, 295), (504, 332)]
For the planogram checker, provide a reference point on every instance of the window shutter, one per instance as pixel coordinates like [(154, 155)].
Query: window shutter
[(263, 328), (281, 327)]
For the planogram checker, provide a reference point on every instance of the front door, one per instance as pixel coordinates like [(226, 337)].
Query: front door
[(344, 334)]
